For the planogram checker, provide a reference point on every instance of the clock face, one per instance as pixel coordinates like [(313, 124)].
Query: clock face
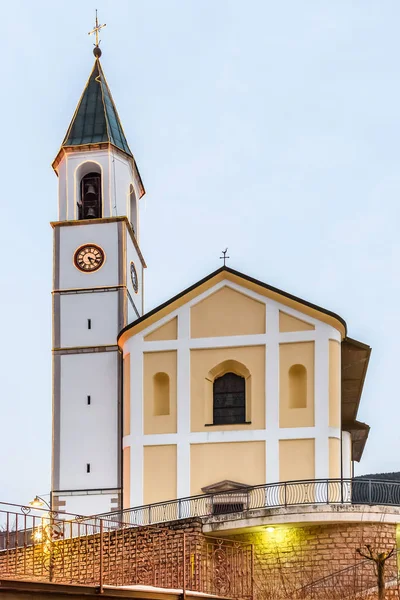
[(134, 278), (88, 258)]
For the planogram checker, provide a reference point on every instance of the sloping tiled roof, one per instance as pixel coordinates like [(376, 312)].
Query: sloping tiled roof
[(96, 119)]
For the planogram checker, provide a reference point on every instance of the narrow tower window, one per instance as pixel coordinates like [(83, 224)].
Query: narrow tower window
[(229, 395), (89, 400), (297, 387), (87, 467), (89, 323), (161, 394), (89, 205)]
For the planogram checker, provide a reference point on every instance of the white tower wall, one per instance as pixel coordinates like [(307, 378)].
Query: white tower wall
[(89, 310), (117, 175)]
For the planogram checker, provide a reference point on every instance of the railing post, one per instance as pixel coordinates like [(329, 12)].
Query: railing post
[(285, 493), (150, 514), (341, 490), (369, 492), (101, 558), (179, 509), (252, 572), (184, 568), (327, 491)]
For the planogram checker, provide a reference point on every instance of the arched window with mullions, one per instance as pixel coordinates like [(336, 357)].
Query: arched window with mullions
[(229, 399)]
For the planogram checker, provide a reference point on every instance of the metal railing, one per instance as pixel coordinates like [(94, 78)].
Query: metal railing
[(46, 546), (271, 495)]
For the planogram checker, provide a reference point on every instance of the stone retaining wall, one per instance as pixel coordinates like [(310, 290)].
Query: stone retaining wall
[(302, 560)]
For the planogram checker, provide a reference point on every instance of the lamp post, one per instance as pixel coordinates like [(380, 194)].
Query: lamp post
[(47, 533), (39, 502)]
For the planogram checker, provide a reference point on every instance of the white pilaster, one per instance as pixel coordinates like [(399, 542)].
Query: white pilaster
[(272, 393), (183, 404), (321, 402), (137, 400)]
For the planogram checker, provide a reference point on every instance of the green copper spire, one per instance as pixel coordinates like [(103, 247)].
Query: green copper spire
[(96, 119)]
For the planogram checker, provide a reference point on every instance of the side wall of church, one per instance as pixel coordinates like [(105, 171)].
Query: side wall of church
[(290, 362)]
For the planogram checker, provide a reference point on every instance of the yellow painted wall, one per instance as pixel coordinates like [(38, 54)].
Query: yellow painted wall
[(227, 312), (127, 395), (243, 462), (334, 458), (159, 474), (203, 362), (289, 323), (126, 492), (301, 353), (296, 460), (169, 331), (153, 363), (334, 384)]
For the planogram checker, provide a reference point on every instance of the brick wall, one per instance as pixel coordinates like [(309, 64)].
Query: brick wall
[(311, 561), (146, 555), (168, 556), (290, 558)]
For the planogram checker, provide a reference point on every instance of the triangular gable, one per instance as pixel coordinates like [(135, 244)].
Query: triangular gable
[(224, 486), (246, 282)]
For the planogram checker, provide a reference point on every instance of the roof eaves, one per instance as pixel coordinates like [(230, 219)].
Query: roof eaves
[(367, 349), (359, 433)]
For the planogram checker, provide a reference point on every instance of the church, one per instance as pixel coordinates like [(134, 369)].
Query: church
[(229, 384)]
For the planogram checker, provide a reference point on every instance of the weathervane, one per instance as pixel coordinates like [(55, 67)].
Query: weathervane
[(224, 257), (95, 30)]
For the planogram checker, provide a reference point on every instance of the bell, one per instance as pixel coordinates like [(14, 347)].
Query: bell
[(91, 191), (90, 213)]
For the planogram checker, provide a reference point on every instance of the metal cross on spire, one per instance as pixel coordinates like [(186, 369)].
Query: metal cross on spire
[(224, 257), (96, 30)]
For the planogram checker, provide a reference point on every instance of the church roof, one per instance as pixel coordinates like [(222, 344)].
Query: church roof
[(96, 119)]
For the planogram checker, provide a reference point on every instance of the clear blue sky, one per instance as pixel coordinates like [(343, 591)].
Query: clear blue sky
[(269, 127)]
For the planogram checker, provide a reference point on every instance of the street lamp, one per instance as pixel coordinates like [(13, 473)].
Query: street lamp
[(39, 502), (47, 532)]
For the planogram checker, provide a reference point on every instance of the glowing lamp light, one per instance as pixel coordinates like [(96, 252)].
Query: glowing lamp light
[(37, 502), (38, 535), (270, 529)]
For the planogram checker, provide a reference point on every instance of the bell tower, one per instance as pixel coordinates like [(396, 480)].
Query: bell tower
[(97, 290)]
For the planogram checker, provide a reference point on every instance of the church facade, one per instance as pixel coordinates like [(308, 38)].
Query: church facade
[(231, 383)]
